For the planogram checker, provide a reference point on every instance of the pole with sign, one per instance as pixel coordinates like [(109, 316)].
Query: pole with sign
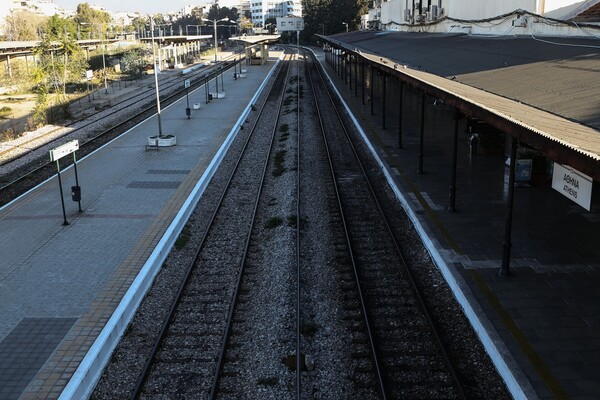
[(188, 112), (291, 24), (55, 155), (573, 184)]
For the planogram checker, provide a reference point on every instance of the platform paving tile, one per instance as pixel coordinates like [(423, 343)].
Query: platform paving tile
[(82, 271)]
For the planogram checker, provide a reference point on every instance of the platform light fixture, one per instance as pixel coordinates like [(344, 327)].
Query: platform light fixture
[(155, 77), (214, 21), (104, 59)]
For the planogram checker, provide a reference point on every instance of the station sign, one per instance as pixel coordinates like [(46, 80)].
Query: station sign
[(186, 83), (573, 184), (290, 24), (61, 151)]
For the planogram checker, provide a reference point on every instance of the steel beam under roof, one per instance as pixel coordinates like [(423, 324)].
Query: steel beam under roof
[(561, 140)]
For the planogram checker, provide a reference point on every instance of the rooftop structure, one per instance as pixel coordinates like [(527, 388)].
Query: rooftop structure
[(514, 17), (261, 10), (544, 89)]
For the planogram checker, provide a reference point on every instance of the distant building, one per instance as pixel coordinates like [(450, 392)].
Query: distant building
[(41, 7), (45, 8), (263, 9)]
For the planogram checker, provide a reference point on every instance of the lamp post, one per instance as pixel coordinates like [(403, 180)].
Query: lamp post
[(104, 63), (214, 21), (346, 24), (155, 79)]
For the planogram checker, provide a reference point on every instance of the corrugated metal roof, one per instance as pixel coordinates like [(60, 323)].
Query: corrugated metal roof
[(255, 39), (551, 90), (592, 14), (583, 139), (560, 77)]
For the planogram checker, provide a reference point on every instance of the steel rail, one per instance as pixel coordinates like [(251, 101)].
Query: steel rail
[(206, 78), (298, 232), (376, 363), (171, 82), (416, 291), (235, 297), (190, 267)]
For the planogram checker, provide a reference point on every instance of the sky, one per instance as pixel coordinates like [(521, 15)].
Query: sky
[(162, 6), (143, 6)]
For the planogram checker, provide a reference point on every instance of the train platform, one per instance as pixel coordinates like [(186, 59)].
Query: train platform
[(67, 291), (541, 324)]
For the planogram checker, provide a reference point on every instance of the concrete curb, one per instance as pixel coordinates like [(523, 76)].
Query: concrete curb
[(490, 339), (84, 379)]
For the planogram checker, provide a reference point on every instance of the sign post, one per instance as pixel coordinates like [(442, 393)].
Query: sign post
[(573, 184), (292, 24), (55, 155), (187, 85)]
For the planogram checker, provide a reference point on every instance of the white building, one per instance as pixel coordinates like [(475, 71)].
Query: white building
[(45, 8), (486, 17), (263, 9), (41, 7)]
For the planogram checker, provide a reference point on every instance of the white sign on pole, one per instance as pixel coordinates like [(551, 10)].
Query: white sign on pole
[(63, 150), (186, 83), (89, 74), (290, 24), (573, 185)]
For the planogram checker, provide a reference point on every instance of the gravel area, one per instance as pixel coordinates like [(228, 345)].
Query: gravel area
[(129, 357), (259, 361), (474, 366), (331, 320), (264, 319)]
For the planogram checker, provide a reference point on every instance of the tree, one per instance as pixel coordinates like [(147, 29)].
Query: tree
[(18, 79), (216, 13), (133, 61), (326, 16), (23, 25), (271, 24), (246, 24), (60, 60), (139, 24), (159, 19), (88, 19)]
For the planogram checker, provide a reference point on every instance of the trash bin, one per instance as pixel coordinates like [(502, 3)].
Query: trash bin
[(76, 193)]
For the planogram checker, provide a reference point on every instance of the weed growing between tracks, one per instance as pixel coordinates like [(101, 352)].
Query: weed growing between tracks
[(273, 222), (279, 161), (183, 238)]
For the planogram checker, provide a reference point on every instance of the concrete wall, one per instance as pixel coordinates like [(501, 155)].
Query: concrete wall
[(394, 11), (468, 9), (392, 18)]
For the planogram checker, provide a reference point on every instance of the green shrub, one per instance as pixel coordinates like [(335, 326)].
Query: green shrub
[(273, 222)]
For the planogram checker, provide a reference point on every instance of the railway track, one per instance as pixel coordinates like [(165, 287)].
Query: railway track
[(407, 355), (296, 286), (195, 339), (39, 169), (166, 85)]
